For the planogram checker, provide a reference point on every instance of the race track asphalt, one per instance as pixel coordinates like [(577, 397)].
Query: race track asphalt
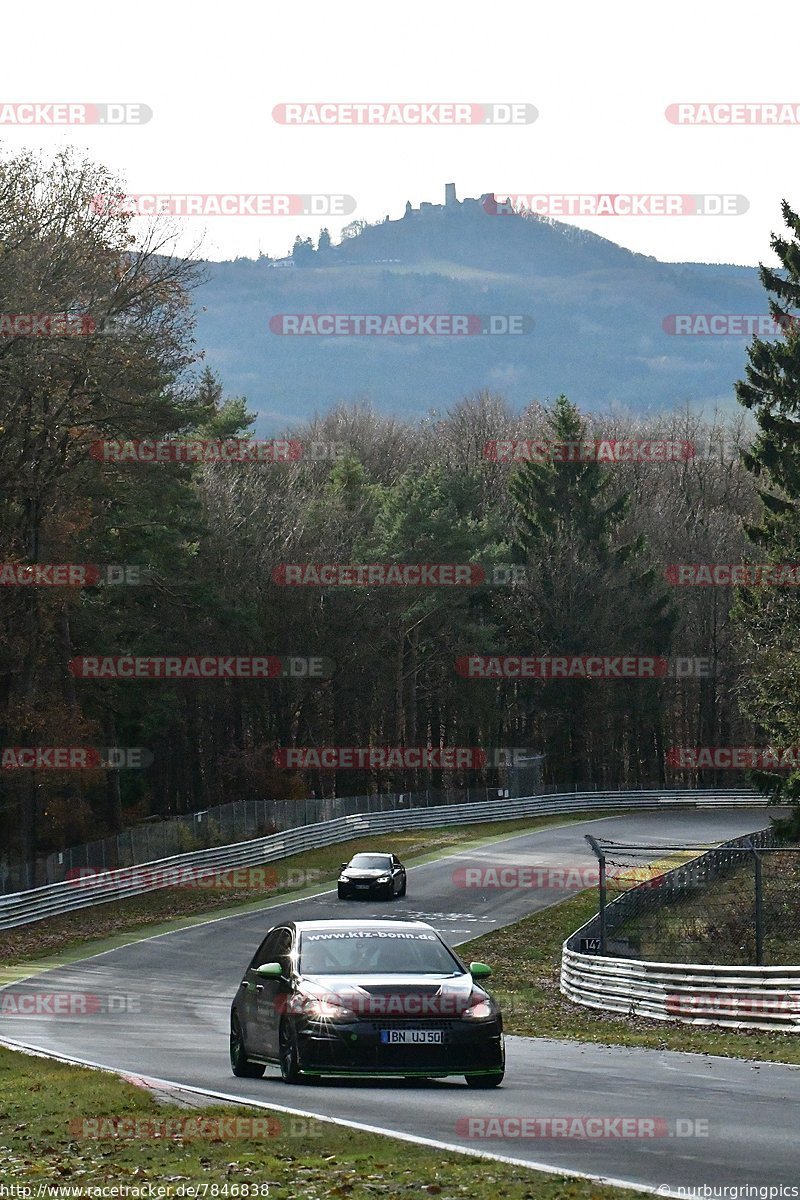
[(164, 1010)]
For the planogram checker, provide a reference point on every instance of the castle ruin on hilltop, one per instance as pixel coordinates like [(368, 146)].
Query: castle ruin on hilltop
[(426, 208)]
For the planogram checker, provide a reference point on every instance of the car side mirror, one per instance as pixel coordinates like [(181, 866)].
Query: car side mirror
[(342, 866), (271, 970), (479, 970)]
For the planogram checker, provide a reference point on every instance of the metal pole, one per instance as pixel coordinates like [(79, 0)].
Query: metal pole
[(601, 858), (759, 901), (759, 909)]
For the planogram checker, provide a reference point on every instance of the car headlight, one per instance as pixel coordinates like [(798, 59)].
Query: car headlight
[(320, 1008), (480, 1008), (385, 879), (343, 879)]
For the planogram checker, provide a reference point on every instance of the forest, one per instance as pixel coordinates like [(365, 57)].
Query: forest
[(284, 555)]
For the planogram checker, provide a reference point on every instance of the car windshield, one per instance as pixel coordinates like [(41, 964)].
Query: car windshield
[(375, 952), (371, 862)]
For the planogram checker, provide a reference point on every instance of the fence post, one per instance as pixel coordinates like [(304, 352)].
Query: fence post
[(601, 858), (759, 906)]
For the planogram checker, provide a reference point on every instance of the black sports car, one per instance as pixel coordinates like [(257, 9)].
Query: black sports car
[(370, 875), (381, 998)]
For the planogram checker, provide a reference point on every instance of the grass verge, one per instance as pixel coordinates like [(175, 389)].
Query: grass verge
[(40, 1100), (105, 925), (526, 960)]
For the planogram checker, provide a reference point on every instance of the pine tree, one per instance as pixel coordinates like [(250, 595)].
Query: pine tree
[(303, 251), (589, 591), (769, 617)]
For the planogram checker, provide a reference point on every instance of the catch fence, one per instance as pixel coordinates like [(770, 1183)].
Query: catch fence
[(735, 904)]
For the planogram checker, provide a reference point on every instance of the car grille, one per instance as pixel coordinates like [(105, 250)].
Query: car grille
[(411, 1022)]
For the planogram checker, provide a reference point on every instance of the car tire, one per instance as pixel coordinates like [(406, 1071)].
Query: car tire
[(485, 1081), (340, 894), (402, 891), (288, 1053), (240, 1063)]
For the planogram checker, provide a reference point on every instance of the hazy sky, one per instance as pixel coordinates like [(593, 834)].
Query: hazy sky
[(600, 76)]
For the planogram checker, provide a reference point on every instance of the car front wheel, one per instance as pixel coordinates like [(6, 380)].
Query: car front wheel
[(288, 1053), (240, 1063)]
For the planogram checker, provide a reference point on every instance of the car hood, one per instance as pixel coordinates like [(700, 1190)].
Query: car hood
[(409, 995)]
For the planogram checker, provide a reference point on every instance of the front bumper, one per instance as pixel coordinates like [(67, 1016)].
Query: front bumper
[(355, 1048), (370, 891)]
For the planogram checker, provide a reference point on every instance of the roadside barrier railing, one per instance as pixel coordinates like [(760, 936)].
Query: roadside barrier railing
[(56, 899), (733, 996)]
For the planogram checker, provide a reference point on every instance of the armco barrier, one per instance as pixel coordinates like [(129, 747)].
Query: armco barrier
[(693, 993), (22, 908), (738, 997)]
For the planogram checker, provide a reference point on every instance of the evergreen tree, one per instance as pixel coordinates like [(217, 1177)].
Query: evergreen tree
[(769, 617), (589, 590), (303, 251)]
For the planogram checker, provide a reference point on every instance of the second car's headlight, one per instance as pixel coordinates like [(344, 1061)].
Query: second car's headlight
[(384, 879)]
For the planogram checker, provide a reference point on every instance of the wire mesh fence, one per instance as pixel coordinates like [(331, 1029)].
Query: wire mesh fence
[(737, 904), (228, 823)]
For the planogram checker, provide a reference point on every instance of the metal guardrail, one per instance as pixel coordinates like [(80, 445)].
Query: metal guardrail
[(754, 997), (737, 997), (55, 899), (238, 821), (222, 825)]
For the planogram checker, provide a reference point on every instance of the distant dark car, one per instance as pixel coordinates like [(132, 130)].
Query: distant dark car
[(382, 998), (367, 876)]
